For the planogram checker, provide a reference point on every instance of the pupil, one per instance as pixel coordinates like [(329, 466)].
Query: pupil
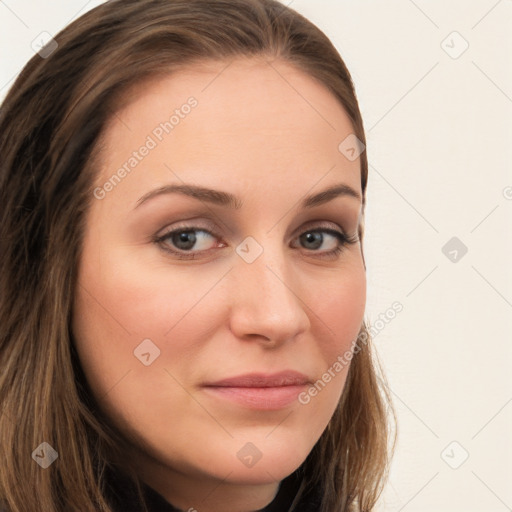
[(312, 237), (187, 237)]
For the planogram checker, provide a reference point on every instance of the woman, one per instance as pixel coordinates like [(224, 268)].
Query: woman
[(183, 283)]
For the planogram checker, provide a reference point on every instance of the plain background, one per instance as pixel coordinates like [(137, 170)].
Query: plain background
[(434, 81)]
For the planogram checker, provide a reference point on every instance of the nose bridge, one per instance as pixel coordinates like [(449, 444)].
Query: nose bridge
[(265, 265), (267, 301)]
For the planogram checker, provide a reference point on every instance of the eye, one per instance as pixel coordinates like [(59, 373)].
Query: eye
[(314, 238), (190, 241), (186, 238)]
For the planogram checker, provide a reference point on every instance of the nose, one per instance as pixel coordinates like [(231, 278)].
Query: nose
[(268, 303)]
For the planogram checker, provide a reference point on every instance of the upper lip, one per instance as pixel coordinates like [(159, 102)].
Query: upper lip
[(262, 380)]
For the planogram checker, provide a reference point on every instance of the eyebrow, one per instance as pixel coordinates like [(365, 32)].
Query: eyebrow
[(228, 200)]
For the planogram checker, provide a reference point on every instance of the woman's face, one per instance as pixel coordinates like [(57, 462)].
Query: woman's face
[(244, 287)]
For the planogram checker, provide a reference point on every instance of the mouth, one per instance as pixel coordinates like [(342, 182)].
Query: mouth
[(260, 391)]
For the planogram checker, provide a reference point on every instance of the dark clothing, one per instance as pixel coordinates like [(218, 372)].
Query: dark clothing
[(123, 496)]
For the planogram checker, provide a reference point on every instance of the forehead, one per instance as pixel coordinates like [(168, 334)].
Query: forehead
[(252, 118)]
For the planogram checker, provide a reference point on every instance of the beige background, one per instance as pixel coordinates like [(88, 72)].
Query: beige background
[(434, 80)]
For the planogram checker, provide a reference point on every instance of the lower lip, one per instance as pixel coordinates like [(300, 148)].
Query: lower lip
[(269, 399)]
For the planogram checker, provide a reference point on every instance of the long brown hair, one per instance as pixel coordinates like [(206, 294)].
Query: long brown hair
[(51, 124)]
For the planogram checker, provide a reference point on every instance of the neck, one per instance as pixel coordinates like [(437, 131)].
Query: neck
[(204, 493)]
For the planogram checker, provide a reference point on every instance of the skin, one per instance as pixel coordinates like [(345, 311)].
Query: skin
[(218, 316)]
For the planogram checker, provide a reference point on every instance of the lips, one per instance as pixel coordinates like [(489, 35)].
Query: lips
[(261, 380), (259, 391)]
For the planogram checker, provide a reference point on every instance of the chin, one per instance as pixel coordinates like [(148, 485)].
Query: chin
[(264, 461), (262, 473)]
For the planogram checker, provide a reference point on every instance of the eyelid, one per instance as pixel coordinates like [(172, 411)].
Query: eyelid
[(210, 226), (188, 224), (332, 229), (344, 239), (319, 224)]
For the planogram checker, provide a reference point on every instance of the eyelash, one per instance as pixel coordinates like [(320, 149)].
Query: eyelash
[(343, 239)]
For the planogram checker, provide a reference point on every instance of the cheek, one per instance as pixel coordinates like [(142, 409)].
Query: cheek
[(119, 318), (130, 298), (339, 313), (118, 305), (341, 307)]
